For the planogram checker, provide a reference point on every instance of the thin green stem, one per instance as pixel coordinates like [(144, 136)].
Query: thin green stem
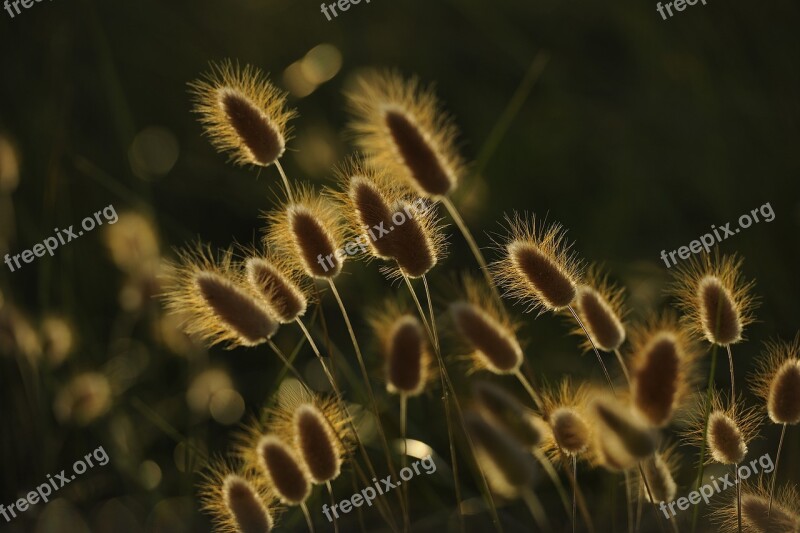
[(370, 391), (430, 311), (536, 509), (733, 380), (309, 522), (404, 459), (629, 500), (333, 501), (623, 366), (709, 391), (574, 492), (553, 475), (650, 498), (738, 499), (289, 365), (529, 388)]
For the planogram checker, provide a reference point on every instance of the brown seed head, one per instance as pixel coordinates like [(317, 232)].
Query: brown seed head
[(215, 301), (730, 428), (537, 266), (309, 234), (237, 499), (658, 470), (284, 470), (617, 420), (418, 240), (399, 126), (725, 439), (243, 113), (715, 298), (317, 443), (407, 357), (784, 516), (496, 347), (503, 409), (507, 465), (600, 306), (570, 430), (777, 381), (246, 506), (278, 285), (564, 409)]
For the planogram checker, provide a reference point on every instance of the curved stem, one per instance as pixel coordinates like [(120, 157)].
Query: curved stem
[(446, 389), (553, 475), (476, 251), (599, 359), (733, 382), (536, 509), (529, 388), (288, 365), (368, 384), (775, 475), (404, 459), (628, 500), (285, 181), (709, 391), (308, 517), (623, 366), (650, 498), (738, 499), (430, 311), (574, 491), (333, 502)]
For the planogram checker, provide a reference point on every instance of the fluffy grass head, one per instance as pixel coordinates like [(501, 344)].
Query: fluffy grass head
[(620, 428), (661, 369), (215, 302), (659, 469), (731, 428), (399, 125), (237, 500), (309, 234), (485, 328), (508, 466), (420, 243), (784, 516), (404, 344), (600, 305), (715, 298), (284, 470), (537, 266), (565, 411), (507, 412), (242, 112), (777, 381), (278, 284)]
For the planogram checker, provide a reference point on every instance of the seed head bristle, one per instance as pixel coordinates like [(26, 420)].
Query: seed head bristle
[(536, 265), (317, 443), (237, 500), (715, 298), (777, 381), (601, 308), (284, 470), (616, 420), (784, 516), (399, 126), (564, 409), (489, 333), (215, 301), (419, 241), (507, 464), (658, 470), (309, 234), (661, 369), (243, 113), (730, 428), (503, 409), (278, 284)]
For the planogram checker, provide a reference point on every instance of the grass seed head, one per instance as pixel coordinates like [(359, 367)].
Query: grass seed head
[(784, 516), (399, 126), (503, 409), (238, 500), (284, 470), (278, 285), (495, 346), (600, 306), (658, 471), (777, 381), (565, 411), (615, 419), (243, 113), (317, 443)]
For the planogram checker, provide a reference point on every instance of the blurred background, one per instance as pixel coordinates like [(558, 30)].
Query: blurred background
[(635, 133)]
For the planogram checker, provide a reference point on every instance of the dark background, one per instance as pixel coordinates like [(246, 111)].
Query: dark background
[(639, 134)]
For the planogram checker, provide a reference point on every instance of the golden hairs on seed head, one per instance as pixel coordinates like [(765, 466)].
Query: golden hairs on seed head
[(503, 409), (537, 266), (278, 284), (218, 305), (661, 369), (621, 428), (730, 429), (777, 381), (284, 470), (404, 343), (715, 298), (399, 126), (243, 113), (564, 408), (600, 306), (658, 470), (507, 464), (418, 239), (238, 501), (486, 329), (784, 516), (309, 233)]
